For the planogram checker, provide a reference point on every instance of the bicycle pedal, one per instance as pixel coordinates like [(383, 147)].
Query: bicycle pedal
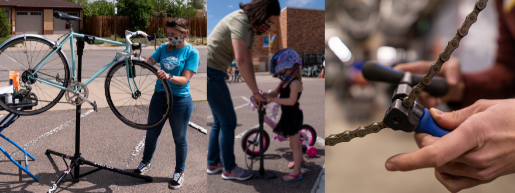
[(95, 106)]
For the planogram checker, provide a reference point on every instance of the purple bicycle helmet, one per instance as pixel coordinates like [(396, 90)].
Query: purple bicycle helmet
[(284, 59)]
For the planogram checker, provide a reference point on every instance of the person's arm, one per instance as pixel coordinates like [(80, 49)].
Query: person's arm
[(243, 59), (178, 80), (190, 67), (295, 88), (150, 60)]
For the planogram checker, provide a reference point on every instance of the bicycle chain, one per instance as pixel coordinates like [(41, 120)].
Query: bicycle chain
[(408, 101), (445, 55), (346, 136)]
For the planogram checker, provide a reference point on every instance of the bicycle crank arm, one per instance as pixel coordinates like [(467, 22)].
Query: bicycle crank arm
[(94, 103)]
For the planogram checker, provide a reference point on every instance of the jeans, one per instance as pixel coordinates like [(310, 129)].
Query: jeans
[(179, 119), (221, 136)]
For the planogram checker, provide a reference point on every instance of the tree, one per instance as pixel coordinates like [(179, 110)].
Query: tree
[(139, 12), (197, 4), (5, 28), (180, 9), (101, 7)]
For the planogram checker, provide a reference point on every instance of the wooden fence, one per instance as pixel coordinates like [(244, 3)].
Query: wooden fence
[(103, 26)]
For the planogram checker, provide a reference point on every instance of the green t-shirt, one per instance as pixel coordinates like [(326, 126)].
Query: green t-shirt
[(220, 52)]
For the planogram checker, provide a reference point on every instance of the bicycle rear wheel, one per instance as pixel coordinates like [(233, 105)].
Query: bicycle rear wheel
[(23, 54), (133, 110)]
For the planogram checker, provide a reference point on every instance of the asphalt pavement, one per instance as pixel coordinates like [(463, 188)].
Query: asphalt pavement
[(279, 155), (105, 140)]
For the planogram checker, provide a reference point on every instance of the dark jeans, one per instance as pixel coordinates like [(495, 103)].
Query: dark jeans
[(179, 119), (221, 136)]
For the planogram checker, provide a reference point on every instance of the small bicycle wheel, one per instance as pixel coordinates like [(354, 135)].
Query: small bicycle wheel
[(24, 54), (310, 137), (131, 102), (250, 142)]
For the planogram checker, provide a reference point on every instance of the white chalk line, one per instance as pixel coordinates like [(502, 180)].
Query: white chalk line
[(53, 131), (243, 133), (198, 127)]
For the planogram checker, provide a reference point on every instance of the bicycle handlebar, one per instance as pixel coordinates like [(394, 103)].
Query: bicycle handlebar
[(376, 72)]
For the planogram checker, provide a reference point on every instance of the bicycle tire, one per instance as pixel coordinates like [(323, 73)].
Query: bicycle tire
[(21, 53), (117, 90), (245, 146), (313, 133)]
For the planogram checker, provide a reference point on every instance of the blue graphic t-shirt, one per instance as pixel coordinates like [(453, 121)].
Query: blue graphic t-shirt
[(174, 63)]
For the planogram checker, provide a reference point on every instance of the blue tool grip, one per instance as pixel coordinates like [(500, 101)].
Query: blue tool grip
[(428, 125)]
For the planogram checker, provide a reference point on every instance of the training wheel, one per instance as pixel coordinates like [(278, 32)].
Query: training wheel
[(312, 151)]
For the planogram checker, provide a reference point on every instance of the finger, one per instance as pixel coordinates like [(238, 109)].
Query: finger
[(457, 183), (419, 67), (447, 148), (451, 120), (424, 139), (460, 169), (452, 71)]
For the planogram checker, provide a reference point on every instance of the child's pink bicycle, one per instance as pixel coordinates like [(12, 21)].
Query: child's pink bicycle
[(250, 142)]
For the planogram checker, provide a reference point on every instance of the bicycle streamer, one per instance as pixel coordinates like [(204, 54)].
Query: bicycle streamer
[(409, 100)]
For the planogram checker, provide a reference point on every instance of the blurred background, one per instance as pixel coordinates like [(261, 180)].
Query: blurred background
[(391, 32)]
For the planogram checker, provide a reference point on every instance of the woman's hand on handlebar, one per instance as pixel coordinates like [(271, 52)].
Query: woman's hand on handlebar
[(259, 98), (450, 71)]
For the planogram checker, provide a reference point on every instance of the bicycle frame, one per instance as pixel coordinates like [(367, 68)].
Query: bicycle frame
[(70, 37)]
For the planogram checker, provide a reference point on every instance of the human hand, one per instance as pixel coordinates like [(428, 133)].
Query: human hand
[(268, 97), (450, 71), (162, 75), (480, 148), (259, 98)]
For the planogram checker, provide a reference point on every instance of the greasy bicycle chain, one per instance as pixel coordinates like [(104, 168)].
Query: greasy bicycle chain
[(346, 136), (408, 101), (445, 55)]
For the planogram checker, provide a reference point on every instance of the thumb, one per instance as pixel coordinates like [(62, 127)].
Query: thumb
[(451, 120)]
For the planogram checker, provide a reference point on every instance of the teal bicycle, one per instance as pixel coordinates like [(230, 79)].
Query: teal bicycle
[(46, 75)]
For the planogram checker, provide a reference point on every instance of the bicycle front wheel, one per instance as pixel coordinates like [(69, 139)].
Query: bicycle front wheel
[(129, 96), (26, 55)]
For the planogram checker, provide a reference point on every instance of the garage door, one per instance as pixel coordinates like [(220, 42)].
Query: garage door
[(29, 22), (59, 25)]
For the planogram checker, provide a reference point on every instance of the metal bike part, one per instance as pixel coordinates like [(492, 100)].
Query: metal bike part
[(346, 136), (72, 94), (445, 55)]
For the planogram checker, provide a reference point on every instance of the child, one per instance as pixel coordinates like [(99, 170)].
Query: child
[(287, 64)]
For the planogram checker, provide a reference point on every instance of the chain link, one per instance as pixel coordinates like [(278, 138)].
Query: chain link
[(446, 54), (346, 136)]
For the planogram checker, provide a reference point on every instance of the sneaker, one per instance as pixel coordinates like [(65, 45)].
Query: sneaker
[(237, 174), (215, 169), (177, 181), (142, 168)]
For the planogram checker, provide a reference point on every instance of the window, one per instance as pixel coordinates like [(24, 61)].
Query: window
[(74, 14), (21, 13), (35, 13)]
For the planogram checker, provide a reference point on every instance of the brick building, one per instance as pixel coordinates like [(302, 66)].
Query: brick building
[(36, 16), (300, 29)]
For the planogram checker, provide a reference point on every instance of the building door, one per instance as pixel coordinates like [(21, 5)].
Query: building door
[(29, 22)]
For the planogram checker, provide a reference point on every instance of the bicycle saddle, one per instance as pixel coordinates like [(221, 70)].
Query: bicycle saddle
[(64, 16)]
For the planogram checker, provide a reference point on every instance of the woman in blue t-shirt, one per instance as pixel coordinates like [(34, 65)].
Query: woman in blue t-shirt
[(179, 61)]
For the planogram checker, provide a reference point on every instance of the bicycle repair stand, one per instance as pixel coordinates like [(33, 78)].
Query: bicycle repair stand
[(77, 160), (262, 174), (26, 168)]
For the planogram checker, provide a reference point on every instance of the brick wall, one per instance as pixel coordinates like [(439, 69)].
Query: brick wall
[(306, 30), (48, 21)]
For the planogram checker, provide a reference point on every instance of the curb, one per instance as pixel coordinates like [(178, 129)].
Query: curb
[(319, 186)]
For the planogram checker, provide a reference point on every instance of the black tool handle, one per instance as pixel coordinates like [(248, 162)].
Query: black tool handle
[(377, 72)]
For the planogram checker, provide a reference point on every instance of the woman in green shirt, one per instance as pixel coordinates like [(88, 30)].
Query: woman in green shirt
[(232, 39)]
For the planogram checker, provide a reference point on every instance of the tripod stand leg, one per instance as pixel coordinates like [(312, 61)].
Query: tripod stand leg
[(61, 178)]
